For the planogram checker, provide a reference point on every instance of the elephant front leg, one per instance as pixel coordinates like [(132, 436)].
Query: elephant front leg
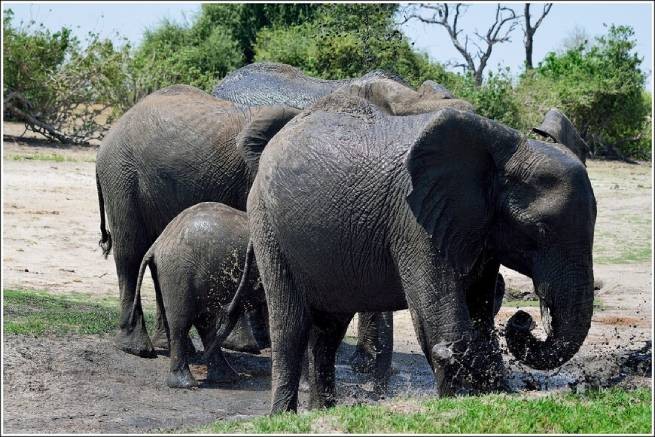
[(160, 337), (374, 346), (436, 296), (483, 299)]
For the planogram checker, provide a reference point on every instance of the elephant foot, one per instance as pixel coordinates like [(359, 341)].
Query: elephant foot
[(181, 378), (241, 339), (135, 342), (362, 361), (160, 340), (218, 374), (478, 369)]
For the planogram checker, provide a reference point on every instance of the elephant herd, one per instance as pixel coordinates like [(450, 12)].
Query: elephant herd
[(362, 196)]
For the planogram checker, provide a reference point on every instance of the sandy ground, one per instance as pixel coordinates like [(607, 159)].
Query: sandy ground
[(77, 383)]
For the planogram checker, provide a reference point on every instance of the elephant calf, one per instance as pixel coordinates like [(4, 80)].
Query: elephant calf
[(196, 264)]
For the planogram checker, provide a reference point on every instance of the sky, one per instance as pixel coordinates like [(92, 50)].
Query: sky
[(131, 20)]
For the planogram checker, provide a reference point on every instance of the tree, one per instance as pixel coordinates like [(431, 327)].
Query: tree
[(65, 90), (172, 54), (347, 40), (600, 86), (244, 21), (529, 31), (442, 15)]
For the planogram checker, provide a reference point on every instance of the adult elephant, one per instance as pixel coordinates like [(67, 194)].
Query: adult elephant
[(272, 83), (417, 212), (173, 149)]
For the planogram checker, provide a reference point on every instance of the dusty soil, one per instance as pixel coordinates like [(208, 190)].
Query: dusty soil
[(83, 384)]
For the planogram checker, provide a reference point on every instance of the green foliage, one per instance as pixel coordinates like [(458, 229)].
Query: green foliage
[(600, 87), (30, 56), (595, 411), (173, 54), (598, 84), (244, 21), (31, 312), (58, 86), (344, 41)]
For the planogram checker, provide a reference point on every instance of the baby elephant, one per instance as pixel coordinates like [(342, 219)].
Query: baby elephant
[(196, 265)]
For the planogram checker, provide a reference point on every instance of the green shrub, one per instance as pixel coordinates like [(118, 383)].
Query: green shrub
[(64, 89), (600, 87), (173, 54), (293, 45)]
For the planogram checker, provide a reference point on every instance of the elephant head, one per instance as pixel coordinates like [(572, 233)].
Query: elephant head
[(484, 191), (432, 88), (397, 99), (559, 128)]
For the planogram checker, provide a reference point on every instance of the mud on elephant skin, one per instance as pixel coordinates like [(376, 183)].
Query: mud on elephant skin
[(433, 205), (173, 149), (197, 265)]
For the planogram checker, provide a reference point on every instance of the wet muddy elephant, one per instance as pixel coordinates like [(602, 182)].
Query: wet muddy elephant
[(417, 212), (271, 83), (173, 149), (196, 265)]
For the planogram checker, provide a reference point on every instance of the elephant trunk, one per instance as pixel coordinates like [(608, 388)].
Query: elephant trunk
[(567, 308)]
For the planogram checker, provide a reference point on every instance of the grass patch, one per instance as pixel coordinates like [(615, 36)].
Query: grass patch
[(54, 157), (37, 313), (598, 411)]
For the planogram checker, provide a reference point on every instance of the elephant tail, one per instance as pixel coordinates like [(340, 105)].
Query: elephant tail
[(105, 241), (147, 259), (228, 318)]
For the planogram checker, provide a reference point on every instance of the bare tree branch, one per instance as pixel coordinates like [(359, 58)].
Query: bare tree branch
[(498, 32), (529, 31)]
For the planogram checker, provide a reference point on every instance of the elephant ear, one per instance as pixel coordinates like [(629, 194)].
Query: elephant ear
[(559, 128), (265, 124), (452, 165)]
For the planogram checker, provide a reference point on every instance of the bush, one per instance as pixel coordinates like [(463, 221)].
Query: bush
[(58, 87), (600, 87), (173, 54)]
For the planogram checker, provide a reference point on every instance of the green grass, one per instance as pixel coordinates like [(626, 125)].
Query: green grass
[(37, 313), (55, 157), (598, 411)]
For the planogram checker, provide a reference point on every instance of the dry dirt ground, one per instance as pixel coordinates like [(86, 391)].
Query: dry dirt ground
[(83, 384)]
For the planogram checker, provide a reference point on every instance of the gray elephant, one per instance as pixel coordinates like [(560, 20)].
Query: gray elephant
[(196, 264), (173, 149), (272, 83), (267, 83), (417, 212)]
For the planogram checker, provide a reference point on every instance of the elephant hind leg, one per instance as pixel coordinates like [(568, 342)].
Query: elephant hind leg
[(179, 375), (219, 369), (327, 332), (289, 322), (131, 338)]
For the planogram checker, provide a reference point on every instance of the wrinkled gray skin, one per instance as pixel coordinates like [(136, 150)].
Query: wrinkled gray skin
[(173, 149), (196, 264), (417, 212), (272, 83), (268, 83)]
